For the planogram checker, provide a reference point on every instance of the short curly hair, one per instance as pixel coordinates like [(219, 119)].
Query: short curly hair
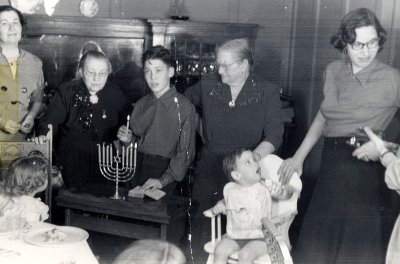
[(239, 47), (158, 53), (25, 175), (357, 18)]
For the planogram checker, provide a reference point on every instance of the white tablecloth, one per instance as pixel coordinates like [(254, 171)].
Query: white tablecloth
[(17, 251)]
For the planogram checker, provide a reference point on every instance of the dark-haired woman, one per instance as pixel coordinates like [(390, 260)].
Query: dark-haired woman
[(21, 79), (85, 112), (343, 223)]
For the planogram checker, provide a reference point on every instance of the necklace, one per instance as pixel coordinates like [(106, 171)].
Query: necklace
[(231, 103)]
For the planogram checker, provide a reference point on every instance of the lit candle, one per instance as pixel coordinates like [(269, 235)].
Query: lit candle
[(127, 125)]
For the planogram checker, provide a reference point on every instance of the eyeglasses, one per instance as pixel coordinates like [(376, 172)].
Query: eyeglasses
[(225, 66), (101, 75), (373, 43)]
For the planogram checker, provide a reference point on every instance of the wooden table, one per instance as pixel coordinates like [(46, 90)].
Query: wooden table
[(133, 218)]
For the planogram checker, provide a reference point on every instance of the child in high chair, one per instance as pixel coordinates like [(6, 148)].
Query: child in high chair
[(247, 199), (24, 178)]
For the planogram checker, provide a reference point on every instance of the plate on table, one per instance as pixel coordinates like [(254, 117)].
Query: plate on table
[(56, 236)]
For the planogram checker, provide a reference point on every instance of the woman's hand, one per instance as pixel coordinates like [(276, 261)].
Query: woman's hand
[(372, 149), (40, 140), (27, 124), (152, 184), (11, 126), (287, 168), (124, 135)]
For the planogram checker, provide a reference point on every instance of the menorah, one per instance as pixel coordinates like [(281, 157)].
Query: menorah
[(118, 168)]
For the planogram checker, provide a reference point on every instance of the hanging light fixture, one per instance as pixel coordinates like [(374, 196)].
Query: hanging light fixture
[(177, 10)]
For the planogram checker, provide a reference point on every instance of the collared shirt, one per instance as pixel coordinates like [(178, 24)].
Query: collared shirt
[(165, 127), (254, 117), (17, 94), (369, 98)]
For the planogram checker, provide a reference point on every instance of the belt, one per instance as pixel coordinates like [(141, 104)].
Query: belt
[(337, 143), (145, 155)]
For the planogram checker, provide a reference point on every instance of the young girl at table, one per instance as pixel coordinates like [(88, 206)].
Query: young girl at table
[(247, 199), (25, 177)]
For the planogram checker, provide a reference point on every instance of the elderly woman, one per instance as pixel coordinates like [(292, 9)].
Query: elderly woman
[(237, 109), (85, 112), (343, 223), (21, 79)]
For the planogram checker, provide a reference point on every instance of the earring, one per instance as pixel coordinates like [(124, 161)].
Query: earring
[(345, 51)]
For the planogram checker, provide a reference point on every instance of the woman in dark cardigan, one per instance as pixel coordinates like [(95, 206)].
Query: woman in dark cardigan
[(85, 112)]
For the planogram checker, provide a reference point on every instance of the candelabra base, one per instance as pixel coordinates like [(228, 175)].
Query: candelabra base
[(117, 197)]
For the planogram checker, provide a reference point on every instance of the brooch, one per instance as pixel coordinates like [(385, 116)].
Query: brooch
[(94, 99)]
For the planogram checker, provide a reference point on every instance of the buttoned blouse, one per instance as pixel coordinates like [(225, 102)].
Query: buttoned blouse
[(369, 98), (255, 117), (166, 127), (17, 94)]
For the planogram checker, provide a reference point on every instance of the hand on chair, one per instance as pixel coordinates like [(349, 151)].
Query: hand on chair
[(219, 208), (287, 168)]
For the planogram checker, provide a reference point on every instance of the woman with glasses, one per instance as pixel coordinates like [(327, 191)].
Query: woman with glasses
[(238, 110), (344, 222), (21, 79), (85, 112)]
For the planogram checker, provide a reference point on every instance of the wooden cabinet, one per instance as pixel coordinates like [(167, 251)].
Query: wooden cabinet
[(57, 41)]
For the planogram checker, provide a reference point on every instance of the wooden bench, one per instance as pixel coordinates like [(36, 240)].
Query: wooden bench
[(132, 218)]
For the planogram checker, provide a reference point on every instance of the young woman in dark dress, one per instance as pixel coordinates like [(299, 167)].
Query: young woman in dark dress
[(85, 112), (344, 221)]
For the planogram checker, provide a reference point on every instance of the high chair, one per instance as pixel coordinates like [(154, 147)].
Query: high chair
[(10, 150), (276, 229)]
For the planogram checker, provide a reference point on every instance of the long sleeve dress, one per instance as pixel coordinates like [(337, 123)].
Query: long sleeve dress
[(255, 117), (348, 219), (80, 126)]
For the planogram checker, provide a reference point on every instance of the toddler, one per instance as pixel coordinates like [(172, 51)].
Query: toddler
[(24, 178), (247, 199)]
